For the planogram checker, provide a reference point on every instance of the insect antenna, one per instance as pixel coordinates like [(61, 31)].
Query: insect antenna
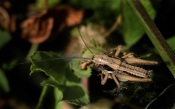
[(84, 42), (51, 59)]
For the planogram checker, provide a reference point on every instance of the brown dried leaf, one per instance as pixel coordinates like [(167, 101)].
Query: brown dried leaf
[(74, 16), (38, 28), (4, 18), (46, 28), (7, 18), (13, 23), (66, 16)]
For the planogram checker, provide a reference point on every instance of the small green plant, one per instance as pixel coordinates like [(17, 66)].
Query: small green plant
[(52, 26)]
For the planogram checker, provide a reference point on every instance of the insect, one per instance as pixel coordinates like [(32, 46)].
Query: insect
[(119, 67)]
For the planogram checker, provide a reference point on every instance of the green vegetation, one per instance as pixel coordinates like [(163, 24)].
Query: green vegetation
[(45, 34)]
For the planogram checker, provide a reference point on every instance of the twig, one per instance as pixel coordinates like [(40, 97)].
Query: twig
[(113, 27)]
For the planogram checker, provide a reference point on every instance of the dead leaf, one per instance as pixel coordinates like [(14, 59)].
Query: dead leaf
[(74, 17), (66, 16), (7, 22), (38, 28)]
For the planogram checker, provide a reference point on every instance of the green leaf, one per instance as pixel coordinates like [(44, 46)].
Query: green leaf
[(132, 29), (102, 8), (72, 90), (60, 77), (75, 66), (75, 63), (170, 42), (4, 82), (154, 34), (40, 4), (10, 65), (5, 38), (57, 68), (98, 4), (58, 96), (95, 50), (75, 94)]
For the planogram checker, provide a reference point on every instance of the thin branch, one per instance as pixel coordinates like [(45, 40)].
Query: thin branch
[(113, 27)]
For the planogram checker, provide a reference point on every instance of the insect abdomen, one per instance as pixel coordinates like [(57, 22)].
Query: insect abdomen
[(134, 70)]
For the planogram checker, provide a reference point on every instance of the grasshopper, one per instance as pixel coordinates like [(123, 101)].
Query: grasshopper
[(119, 67)]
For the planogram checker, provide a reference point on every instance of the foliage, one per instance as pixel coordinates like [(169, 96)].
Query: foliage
[(52, 26), (5, 38), (132, 29), (4, 82), (170, 42), (155, 36), (100, 6), (40, 4), (60, 77)]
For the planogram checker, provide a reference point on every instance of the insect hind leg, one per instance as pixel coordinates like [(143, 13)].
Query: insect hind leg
[(116, 51)]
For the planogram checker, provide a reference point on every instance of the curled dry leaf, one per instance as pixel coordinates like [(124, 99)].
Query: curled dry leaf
[(7, 22), (38, 28), (66, 16), (74, 17)]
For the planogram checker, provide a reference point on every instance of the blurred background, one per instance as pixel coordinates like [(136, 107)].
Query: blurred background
[(27, 26)]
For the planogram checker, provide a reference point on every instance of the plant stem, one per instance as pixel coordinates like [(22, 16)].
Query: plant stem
[(113, 27), (41, 98), (154, 34), (33, 49)]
